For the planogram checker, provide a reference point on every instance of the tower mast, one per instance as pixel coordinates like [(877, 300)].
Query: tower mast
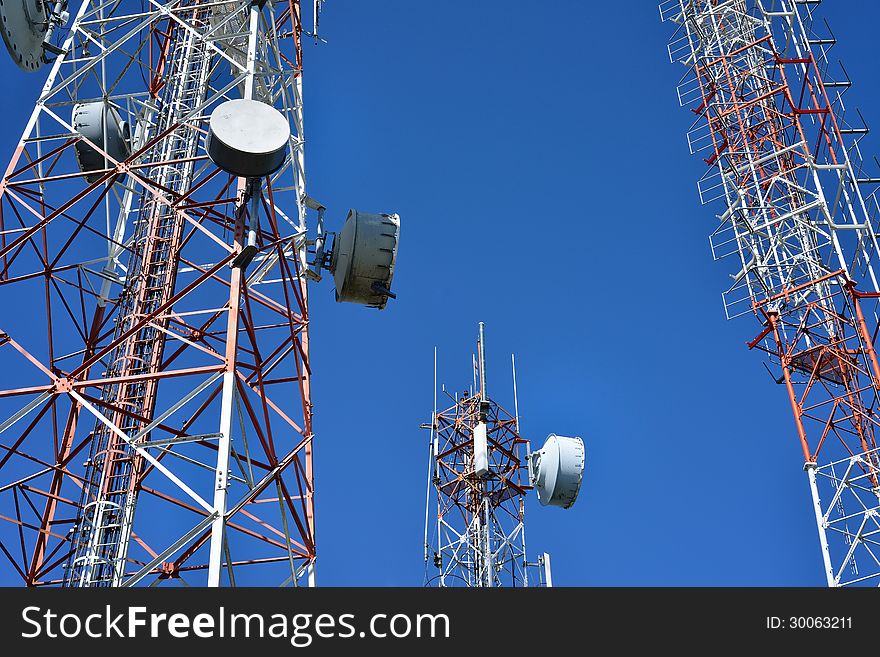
[(477, 456), (193, 370), (783, 162), (480, 471)]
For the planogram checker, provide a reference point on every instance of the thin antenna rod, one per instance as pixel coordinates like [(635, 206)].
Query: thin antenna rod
[(482, 363), (515, 400), (431, 455), (474, 372)]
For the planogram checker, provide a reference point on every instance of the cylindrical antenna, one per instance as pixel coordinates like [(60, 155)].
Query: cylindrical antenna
[(316, 15), (544, 560), (482, 363)]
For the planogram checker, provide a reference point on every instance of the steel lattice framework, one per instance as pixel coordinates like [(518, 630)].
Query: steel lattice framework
[(479, 535), (784, 160), (155, 411)]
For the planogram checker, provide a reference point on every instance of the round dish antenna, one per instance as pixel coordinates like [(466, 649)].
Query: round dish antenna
[(363, 258), (557, 470), (247, 138), (101, 124), (25, 24)]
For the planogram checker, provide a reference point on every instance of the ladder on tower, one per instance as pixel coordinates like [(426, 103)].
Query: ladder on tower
[(109, 495)]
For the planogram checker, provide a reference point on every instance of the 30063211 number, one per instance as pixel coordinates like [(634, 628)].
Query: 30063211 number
[(809, 623)]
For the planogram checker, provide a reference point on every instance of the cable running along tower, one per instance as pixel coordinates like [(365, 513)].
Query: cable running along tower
[(797, 217), (156, 249)]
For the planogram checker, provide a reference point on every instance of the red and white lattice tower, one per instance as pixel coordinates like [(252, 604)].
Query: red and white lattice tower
[(783, 161), (479, 471), (155, 404)]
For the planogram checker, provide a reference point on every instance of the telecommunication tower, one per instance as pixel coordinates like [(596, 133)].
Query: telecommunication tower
[(156, 249), (783, 161), (480, 470)]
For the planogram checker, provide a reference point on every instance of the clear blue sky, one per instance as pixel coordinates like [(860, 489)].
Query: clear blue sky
[(537, 157)]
